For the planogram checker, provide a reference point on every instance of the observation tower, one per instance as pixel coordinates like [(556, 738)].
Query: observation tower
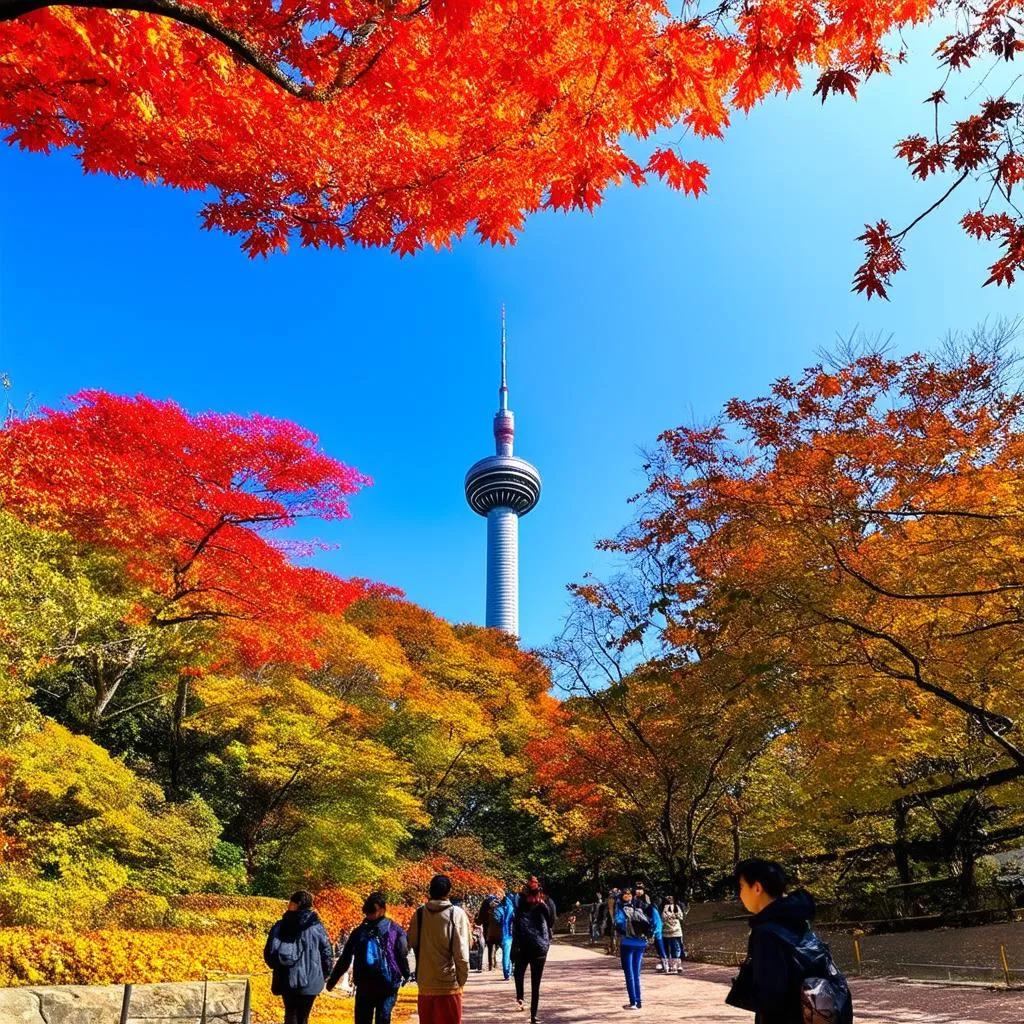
[(503, 487)]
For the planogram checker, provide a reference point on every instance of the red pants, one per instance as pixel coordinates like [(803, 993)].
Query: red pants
[(440, 1009)]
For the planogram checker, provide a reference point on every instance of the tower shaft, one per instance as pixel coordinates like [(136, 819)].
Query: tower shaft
[(503, 570)]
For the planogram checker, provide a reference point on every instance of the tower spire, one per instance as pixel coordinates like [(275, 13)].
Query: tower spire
[(503, 390)]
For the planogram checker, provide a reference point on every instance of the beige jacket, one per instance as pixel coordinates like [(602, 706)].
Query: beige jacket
[(442, 949)]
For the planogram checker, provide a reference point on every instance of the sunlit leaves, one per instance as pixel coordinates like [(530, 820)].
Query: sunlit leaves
[(432, 120)]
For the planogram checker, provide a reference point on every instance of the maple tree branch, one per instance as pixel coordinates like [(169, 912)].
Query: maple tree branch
[(919, 849), (924, 595), (974, 630), (246, 51), (988, 720), (977, 785), (900, 235), (922, 513), (132, 707)]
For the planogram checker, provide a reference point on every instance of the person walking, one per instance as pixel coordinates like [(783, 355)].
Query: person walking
[(298, 951), (576, 910), (672, 916), (634, 929), (378, 953), (491, 928), (504, 913), (783, 952), (595, 919), (641, 898), (657, 927), (611, 905), (439, 936), (531, 939)]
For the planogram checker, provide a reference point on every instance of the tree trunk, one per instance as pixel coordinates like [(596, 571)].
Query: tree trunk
[(734, 823), (104, 688), (900, 851), (177, 718)]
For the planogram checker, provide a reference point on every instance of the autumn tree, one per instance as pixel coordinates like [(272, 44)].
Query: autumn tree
[(189, 503), (860, 529), (306, 795), (655, 742), (79, 826), (407, 122), (460, 712), (70, 623)]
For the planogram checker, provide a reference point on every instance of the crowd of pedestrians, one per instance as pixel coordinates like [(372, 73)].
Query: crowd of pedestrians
[(788, 976)]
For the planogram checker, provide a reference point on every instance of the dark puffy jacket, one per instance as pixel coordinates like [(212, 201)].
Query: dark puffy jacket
[(531, 932), (775, 980), (393, 937), (315, 953)]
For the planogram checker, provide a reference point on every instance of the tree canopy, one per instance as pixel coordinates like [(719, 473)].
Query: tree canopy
[(407, 123), (813, 646)]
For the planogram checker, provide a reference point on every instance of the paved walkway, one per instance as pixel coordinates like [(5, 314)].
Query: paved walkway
[(585, 987)]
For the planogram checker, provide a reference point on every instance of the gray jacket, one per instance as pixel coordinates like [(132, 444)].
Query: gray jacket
[(316, 956)]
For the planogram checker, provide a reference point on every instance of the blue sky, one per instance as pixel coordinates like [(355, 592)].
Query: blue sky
[(647, 314)]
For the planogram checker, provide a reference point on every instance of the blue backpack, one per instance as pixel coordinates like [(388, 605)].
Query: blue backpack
[(376, 954)]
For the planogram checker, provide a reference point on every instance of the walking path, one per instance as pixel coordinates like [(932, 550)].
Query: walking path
[(582, 986)]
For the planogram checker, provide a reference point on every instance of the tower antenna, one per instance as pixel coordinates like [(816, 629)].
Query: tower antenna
[(503, 390)]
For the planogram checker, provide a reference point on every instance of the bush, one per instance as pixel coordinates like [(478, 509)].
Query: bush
[(37, 957)]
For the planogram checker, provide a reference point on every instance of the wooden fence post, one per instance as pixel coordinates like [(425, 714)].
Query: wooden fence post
[(1006, 965), (247, 1003), (126, 1003)]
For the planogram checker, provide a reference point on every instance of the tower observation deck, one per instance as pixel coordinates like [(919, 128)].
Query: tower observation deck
[(502, 488)]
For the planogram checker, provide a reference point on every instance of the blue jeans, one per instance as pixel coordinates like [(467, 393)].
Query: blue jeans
[(660, 943), (675, 947), (506, 956), (372, 1001), (632, 953)]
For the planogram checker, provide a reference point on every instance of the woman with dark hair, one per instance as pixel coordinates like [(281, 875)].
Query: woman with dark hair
[(673, 915), (378, 952), (531, 939), (299, 953), (634, 928)]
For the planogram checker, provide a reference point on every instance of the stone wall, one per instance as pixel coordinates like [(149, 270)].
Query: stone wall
[(101, 1004)]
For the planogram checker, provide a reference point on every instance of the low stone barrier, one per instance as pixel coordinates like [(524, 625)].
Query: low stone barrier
[(167, 1003)]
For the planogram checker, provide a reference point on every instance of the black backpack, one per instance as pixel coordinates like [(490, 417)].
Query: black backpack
[(638, 924), (824, 993)]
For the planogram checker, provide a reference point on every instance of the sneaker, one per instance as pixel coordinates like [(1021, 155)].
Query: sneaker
[(679, 971), (631, 1006), (659, 968), (519, 1005)]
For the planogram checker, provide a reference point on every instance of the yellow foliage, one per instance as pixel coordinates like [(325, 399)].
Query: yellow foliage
[(36, 957)]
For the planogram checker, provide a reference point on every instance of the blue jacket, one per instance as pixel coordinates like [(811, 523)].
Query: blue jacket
[(657, 925), (505, 912), (315, 953)]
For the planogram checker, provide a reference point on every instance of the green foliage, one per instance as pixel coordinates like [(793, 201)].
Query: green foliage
[(81, 826)]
